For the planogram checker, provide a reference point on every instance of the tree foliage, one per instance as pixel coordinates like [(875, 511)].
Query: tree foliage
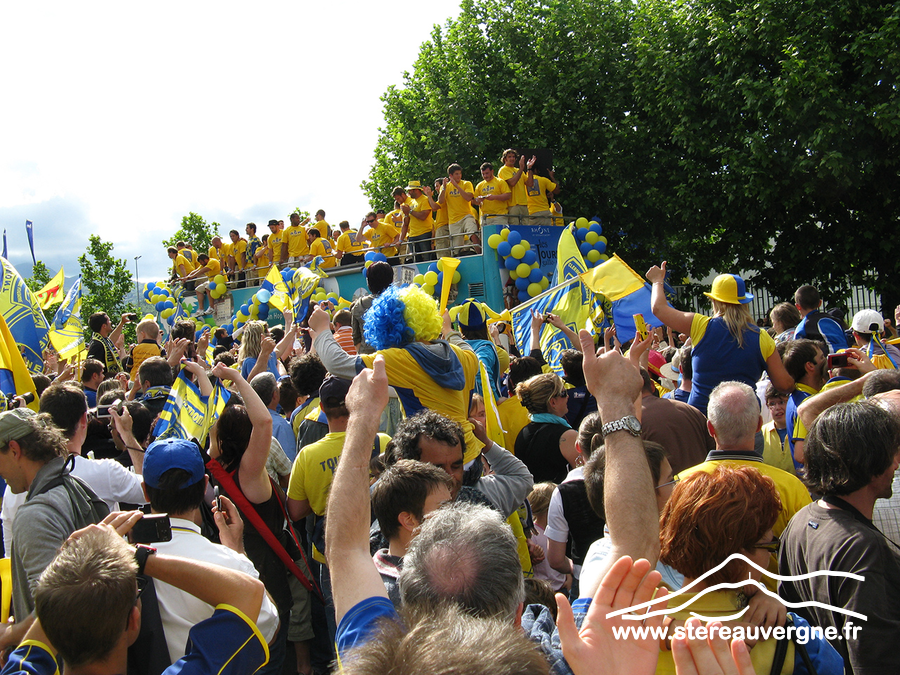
[(194, 230), (718, 134), (107, 283)]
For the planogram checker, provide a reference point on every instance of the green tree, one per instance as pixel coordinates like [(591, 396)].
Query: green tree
[(107, 283), (194, 230), (721, 135)]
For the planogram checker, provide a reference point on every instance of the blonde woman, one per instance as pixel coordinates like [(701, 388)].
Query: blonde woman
[(547, 443), (256, 347), (728, 345)]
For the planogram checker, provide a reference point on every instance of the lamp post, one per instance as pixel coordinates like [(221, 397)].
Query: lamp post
[(137, 280)]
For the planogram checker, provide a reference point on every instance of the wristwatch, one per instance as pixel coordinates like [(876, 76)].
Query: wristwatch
[(629, 423), (141, 554)]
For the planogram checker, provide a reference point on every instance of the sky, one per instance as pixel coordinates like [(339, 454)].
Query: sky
[(119, 119)]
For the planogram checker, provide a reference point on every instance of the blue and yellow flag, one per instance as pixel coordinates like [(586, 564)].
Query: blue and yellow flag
[(274, 283), (303, 284), (568, 298), (23, 317), (67, 333), (14, 376), (187, 413), (626, 290)]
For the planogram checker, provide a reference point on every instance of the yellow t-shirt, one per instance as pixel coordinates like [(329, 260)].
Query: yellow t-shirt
[(345, 244), (440, 216), (313, 471), (238, 251), (384, 233), (419, 227), (556, 211), (180, 261), (213, 267), (296, 241), (457, 206), (265, 256), (324, 229), (322, 247), (495, 186), (274, 244), (519, 193), (537, 193)]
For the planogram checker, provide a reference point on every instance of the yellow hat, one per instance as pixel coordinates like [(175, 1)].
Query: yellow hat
[(729, 288)]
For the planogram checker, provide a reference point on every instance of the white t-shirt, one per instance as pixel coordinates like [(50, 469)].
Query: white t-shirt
[(179, 610)]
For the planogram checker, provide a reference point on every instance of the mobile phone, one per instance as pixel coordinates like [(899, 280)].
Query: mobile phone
[(152, 528), (640, 325), (218, 500), (838, 360)]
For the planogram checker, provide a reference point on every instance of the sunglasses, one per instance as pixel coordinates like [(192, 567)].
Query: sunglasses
[(771, 546)]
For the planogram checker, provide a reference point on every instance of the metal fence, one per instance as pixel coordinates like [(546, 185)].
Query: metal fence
[(763, 302)]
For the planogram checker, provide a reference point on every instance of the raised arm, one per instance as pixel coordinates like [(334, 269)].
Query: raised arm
[(353, 574), (510, 482), (254, 479), (338, 362), (628, 495), (662, 310)]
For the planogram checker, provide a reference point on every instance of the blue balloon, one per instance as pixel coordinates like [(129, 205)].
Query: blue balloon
[(239, 325), (169, 304), (370, 255), (584, 247), (523, 296), (263, 295), (165, 292), (287, 275), (511, 263), (440, 279), (433, 268), (530, 257), (600, 246), (522, 283), (151, 284), (160, 306), (245, 309), (596, 227), (535, 276), (581, 233), (380, 257), (263, 312), (504, 248), (229, 328), (171, 320), (513, 238)]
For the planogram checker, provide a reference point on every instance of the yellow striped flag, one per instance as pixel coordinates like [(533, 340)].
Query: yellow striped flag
[(52, 292)]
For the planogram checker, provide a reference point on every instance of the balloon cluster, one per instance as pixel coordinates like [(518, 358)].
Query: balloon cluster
[(218, 286), (433, 280), (373, 256), (591, 241), (516, 255), (164, 302)]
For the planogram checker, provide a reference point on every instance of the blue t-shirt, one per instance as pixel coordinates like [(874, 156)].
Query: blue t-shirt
[(248, 364), (226, 643), (357, 625)]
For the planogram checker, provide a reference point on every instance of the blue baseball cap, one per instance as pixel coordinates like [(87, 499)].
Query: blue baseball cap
[(173, 453)]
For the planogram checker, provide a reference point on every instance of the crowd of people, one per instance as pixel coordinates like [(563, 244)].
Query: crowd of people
[(390, 491), (425, 223)]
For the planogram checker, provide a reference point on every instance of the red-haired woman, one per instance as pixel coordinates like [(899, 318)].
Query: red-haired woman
[(710, 517)]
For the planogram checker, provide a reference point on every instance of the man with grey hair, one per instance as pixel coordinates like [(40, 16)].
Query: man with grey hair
[(464, 556), (266, 387), (733, 418)]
